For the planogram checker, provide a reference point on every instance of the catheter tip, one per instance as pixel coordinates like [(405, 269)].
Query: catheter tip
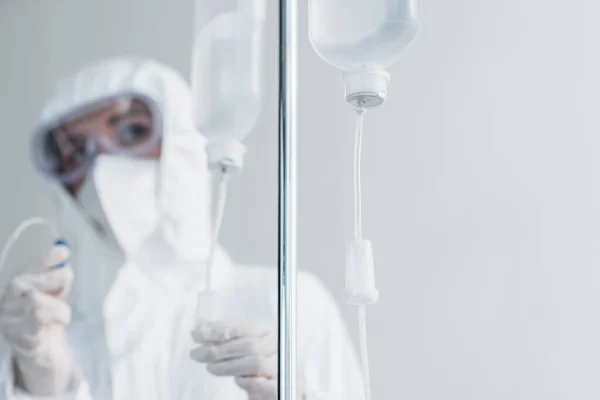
[(61, 242)]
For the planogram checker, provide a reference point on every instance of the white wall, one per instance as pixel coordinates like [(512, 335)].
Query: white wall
[(479, 178)]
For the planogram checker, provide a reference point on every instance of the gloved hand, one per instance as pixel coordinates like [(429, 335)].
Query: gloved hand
[(33, 320), (246, 351)]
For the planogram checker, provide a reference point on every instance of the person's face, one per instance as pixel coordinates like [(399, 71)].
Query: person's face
[(126, 123)]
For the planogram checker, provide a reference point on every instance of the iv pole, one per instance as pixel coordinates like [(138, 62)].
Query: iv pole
[(287, 200)]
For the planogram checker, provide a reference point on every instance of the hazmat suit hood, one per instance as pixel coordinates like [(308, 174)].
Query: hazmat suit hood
[(178, 241)]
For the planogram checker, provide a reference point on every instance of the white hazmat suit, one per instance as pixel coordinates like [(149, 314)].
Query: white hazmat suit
[(139, 234)]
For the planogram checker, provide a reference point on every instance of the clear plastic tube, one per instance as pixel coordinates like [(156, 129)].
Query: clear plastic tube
[(220, 212), (206, 304), (357, 168), (364, 350), (23, 226), (362, 313)]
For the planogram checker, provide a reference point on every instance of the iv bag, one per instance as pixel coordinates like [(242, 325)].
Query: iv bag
[(227, 67), (350, 34)]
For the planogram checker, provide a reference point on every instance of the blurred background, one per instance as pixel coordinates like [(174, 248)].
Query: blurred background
[(479, 179)]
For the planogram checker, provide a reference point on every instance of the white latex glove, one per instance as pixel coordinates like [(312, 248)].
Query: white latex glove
[(33, 320), (246, 351)]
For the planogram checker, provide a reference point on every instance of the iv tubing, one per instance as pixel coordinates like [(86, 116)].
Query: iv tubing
[(357, 181), (362, 317), (23, 226), (364, 351), (220, 212)]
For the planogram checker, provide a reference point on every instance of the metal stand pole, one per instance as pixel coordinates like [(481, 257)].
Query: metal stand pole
[(287, 199)]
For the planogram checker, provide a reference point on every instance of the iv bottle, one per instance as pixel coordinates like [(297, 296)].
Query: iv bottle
[(362, 38), (227, 75)]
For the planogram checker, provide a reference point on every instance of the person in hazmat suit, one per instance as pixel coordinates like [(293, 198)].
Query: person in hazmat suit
[(109, 312)]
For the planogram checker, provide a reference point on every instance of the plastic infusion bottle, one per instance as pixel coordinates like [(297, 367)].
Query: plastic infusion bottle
[(227, 74), (362, 38)]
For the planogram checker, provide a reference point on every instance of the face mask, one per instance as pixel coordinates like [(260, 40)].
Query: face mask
[(119, 198)]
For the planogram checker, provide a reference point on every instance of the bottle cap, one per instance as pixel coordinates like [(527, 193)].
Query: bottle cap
[(226, 153), (366, 87)]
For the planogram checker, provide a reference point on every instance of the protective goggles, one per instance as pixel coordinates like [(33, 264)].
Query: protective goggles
[(67, 156)]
